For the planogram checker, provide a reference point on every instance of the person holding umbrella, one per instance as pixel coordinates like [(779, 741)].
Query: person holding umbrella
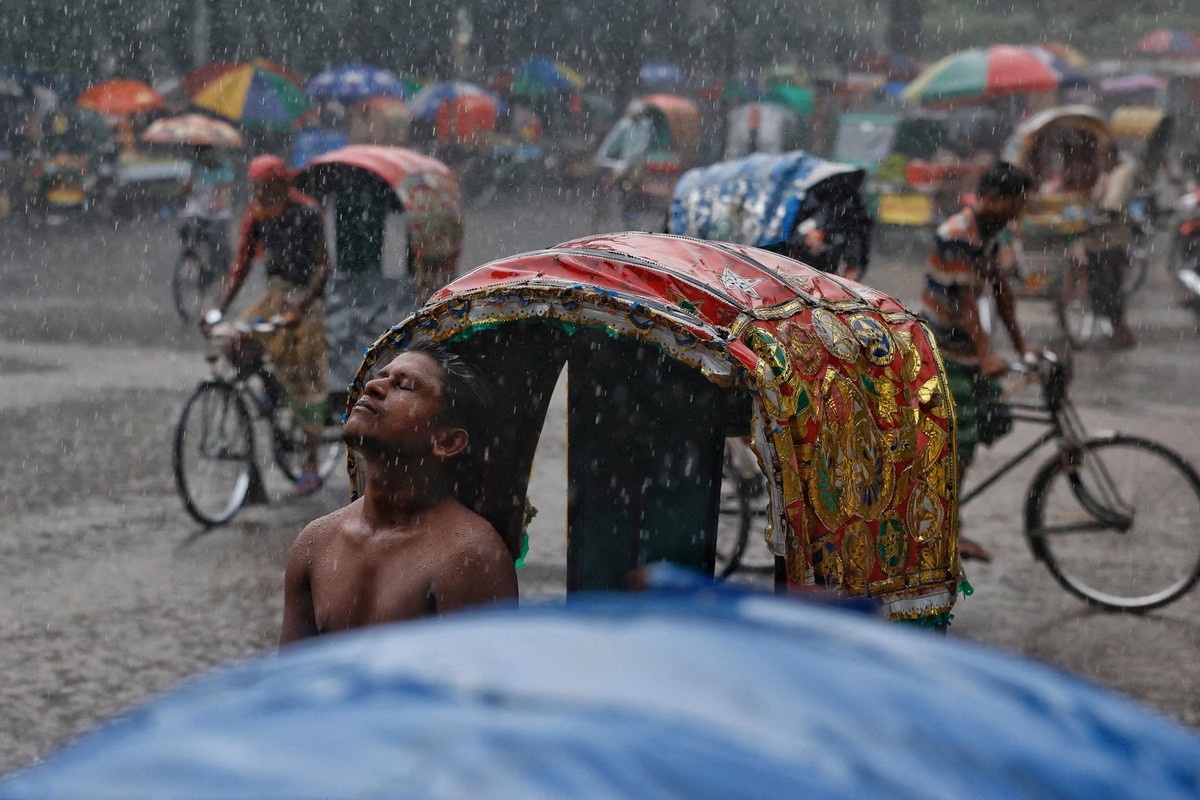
[(206, 194)]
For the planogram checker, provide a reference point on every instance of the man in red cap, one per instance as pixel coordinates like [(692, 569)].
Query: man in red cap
[(287, 229)]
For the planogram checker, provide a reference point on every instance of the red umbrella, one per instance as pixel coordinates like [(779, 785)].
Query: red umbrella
[(1165, 42), (120, 98)]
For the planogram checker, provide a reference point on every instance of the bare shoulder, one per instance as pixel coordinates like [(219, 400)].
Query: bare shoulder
[(471, 534), (321, 531)]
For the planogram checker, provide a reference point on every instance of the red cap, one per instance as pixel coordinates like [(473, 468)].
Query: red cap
[(268, 168)]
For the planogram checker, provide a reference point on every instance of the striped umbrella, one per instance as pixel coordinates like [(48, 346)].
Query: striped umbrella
[(254, 97), (195, 129), (982, 73)]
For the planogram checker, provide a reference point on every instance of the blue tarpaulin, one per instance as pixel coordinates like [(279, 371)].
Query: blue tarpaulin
[(754, 200), (694, 694)]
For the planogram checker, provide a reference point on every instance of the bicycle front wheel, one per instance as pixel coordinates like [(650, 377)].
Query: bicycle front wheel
[(1073, 306), (1118, 522), (193, 286), (214, 454)]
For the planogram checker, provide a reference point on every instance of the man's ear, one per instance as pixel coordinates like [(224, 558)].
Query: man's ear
[(449, 442)]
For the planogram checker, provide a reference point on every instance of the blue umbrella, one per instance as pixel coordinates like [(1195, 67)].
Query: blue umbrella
[(671, 694), (658, 76), (354, 82), (425, 103)]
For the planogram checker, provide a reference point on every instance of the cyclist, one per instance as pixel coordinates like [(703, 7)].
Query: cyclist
[(971, 252), (287, 227), (207, 193)]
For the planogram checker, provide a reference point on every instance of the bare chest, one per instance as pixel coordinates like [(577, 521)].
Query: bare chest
[(356, 587)]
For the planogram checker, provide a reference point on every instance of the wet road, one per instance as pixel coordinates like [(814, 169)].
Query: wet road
[(112, 593)]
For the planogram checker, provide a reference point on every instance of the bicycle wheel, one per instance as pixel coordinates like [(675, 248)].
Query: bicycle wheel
[(1118, 522), (193, 286), (1073, 307), (290, 445), (214, 453), (733, 522)]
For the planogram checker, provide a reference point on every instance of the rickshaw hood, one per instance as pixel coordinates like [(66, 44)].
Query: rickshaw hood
[(852, 418)]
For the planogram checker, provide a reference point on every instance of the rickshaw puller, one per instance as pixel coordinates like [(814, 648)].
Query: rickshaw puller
[(288, 228), (407, 548), (971, 252)]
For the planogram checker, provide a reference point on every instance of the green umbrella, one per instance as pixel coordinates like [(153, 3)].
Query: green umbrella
[(793, 97)]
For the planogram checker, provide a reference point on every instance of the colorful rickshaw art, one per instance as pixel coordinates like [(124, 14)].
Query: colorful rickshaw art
[(672, 344)]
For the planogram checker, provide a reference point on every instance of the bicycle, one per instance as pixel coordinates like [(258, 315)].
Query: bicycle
[(214, 456), (743, 490), (197, 276), (1112, 517)]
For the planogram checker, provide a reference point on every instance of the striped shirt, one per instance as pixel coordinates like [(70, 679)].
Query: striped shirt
[(960, 266)]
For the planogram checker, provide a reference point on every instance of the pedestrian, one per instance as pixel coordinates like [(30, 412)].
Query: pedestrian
[(289, 230), (972, 253), (207, 200), (407, 548), (1105, 247)]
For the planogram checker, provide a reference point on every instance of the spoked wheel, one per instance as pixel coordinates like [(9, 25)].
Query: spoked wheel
[(290, 445), (192, 286), (1073, 306), (1118, 523), (739, 490), (1138, 267), (214, 454)]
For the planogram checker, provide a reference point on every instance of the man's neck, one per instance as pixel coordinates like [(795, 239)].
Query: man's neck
[(397, 493)]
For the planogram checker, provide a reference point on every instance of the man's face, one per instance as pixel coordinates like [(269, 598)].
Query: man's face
[(1002, 208), (270, 192), (400, 408)]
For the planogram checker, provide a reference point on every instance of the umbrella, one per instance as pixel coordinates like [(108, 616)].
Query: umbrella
[(541, 75), (1069, 77), (120, 98), (659, 76), (982, 73), (253, 96), (425, 103), (797, 99), (674, 693), (1169, 43), (354, 82), (195, 81), (1127, 84), (195, 129), (1067, 53)]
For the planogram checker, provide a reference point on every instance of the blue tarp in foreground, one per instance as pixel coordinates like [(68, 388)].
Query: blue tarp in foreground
[(715, 694)]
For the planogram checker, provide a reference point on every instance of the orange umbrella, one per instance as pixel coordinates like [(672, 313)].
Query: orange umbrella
[(120, 98)]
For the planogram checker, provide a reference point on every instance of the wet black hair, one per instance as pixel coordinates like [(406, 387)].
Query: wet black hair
[(1005, 179), (466, 396)]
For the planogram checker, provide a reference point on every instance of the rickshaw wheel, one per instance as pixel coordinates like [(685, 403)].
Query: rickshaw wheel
[(1073, 307), (733, 525), (214, 454), (192, 286), (289, 445)]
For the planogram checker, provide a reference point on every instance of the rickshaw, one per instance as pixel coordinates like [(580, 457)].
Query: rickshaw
[(641, 158), (75, 172), (762, 128), (382, 121), (918, 164), (674, 344), (397, 221), (803, 206), (1060, 148)]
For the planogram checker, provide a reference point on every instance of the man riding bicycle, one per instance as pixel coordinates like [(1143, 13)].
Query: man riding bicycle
[(287, 228), (207, 190)]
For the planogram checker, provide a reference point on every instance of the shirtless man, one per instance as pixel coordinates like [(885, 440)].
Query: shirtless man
[(407, 548)]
